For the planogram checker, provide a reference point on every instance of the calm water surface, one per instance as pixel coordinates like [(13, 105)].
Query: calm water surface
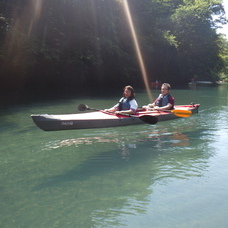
[(172, 174)]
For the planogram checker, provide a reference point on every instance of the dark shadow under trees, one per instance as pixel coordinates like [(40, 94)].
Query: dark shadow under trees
[(55, 49)]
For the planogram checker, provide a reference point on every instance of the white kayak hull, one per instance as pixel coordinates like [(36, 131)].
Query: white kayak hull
[(100, 119)]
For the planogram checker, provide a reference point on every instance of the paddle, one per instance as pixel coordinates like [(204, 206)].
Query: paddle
[(180, 113), (145, 118), (176, 112)]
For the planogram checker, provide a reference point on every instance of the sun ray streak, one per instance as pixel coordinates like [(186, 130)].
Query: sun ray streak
[(137, 48), (36, 7)]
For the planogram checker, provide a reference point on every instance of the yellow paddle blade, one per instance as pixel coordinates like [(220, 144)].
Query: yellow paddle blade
[(181, 113)]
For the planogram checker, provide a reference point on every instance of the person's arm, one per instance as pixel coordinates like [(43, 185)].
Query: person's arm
[(167, 107), (113, 109), (149, 106), (132, 110), (129, 112)]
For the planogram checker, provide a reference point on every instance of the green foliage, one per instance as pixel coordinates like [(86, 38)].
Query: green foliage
[(64, 46), (223, 44), (197, 48)]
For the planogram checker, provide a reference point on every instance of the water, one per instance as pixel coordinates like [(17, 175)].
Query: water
[(172, 174)]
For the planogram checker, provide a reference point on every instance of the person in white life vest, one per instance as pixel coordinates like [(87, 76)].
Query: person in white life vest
[(127, 104)]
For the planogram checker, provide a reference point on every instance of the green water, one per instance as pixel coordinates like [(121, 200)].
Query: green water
[(172, 174)]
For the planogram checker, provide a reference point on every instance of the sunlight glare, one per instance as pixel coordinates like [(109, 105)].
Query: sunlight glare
[(36, 8), (25, 21), (137, 48)]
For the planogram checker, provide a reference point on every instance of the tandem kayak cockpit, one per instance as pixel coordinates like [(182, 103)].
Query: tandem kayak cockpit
[(101, 119)]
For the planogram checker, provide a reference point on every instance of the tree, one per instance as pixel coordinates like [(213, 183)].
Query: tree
[(196, 39), (223, 44), (64, 46)]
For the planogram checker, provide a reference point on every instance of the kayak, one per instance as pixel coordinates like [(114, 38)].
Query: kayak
[(155, 84), (101, 119)]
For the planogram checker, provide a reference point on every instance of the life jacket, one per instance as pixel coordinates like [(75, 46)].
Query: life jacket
[(124, 104), (163, 100)]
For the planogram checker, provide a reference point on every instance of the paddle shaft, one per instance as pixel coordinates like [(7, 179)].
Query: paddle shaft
[(145, 118), (176, 112), (123, 114)]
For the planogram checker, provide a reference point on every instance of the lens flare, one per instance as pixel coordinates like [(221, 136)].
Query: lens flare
[(137, 48), (36, 7)]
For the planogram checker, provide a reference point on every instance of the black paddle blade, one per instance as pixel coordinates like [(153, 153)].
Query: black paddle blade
[(149, 119), (83, 107)]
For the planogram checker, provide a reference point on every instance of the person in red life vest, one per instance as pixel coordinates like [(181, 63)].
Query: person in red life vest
[(127, 104), (164, 101)]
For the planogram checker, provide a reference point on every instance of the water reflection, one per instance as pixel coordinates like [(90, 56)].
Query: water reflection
[(108, 150), (116, 171)]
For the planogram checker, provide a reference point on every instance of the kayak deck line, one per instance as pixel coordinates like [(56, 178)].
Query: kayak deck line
[(101, 119)]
